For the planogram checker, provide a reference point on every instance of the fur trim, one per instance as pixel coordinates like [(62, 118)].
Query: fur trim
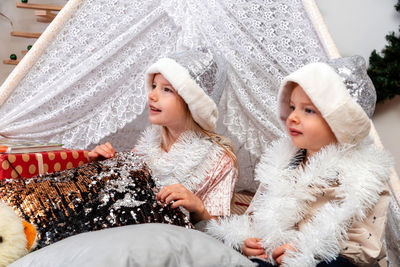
[(325, 87), (12, 233), (188, 162), (201, 106), (233, 231), (360, 173)]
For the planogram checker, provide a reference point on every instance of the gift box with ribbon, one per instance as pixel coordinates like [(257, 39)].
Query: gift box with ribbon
[(32, 164)]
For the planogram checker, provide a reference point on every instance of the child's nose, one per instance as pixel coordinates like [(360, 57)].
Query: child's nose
[(153, 95), (293, 117)]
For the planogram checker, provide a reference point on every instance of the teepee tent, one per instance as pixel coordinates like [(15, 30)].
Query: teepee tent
[(82, 82)]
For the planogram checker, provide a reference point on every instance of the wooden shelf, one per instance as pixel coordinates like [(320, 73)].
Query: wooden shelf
[(26, 34), (39, 6), (45, 16), (11, 62), (44, 20)]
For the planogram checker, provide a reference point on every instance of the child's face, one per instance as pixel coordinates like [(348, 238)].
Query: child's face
[(306, 126), (166, 106)]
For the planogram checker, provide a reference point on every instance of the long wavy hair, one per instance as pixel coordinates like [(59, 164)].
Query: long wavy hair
[(222, 141)]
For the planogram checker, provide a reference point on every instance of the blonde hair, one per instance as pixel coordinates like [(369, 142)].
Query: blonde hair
[(223, 142)]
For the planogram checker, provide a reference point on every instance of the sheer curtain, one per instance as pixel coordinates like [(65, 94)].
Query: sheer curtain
[(87, 82), (82, 82)]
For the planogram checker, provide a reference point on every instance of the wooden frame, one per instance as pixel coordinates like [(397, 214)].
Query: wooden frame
[(45, 16), (26, 34), (11, 62), (39, 6)]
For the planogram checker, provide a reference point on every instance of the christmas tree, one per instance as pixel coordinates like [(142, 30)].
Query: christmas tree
[(384, 68)]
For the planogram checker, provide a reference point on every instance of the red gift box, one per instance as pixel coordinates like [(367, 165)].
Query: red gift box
[(29, 165)]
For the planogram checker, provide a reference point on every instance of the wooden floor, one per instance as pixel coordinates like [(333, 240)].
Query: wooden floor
[(240, 202)]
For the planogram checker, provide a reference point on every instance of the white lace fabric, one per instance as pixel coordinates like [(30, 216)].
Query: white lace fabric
[(88, 83)]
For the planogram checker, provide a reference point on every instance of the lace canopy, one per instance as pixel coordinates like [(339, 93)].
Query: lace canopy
[(88, 84), (82, 83)]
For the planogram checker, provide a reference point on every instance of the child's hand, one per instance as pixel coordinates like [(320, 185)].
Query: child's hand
[(279, 252), (251, 247), (183, 198), (101, 152)]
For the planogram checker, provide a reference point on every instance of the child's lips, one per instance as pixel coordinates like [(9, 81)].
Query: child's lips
[(294, 132), (154, 110)]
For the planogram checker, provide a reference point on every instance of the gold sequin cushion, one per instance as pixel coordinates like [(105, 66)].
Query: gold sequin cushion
[(115, 192)]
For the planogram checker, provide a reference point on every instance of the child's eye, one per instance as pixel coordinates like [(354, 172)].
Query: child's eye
[(309, 110), (166, 89), (153, 86), (291, 107)]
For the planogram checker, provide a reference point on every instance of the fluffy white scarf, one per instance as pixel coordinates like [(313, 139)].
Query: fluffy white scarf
[(360, 172), (188, 162)]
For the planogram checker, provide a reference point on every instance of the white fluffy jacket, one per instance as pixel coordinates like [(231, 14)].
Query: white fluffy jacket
[(357, 172), (194, 161)]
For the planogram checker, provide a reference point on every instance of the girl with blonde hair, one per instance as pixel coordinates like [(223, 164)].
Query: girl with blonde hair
[(193, 166)]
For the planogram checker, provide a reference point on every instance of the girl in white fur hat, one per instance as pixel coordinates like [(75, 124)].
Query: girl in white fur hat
[(194, 167), (322, 200), (188, 162)]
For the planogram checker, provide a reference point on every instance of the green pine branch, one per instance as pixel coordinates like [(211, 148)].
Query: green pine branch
[(384, 67)]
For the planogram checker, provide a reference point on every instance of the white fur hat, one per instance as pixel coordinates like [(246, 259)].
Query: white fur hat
[(342, 92), (199, 77)]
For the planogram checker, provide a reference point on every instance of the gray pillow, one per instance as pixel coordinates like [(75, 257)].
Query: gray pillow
[(149, 244)]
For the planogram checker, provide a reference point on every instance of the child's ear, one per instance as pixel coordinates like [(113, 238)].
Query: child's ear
[(13, 241)]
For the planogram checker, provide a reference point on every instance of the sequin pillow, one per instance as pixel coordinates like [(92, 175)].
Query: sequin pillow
[(115, 192)]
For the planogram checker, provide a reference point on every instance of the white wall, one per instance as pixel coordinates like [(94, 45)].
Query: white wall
[(359, 27)]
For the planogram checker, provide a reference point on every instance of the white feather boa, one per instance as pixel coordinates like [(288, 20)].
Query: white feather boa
[(188, 162), (360, 171)]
